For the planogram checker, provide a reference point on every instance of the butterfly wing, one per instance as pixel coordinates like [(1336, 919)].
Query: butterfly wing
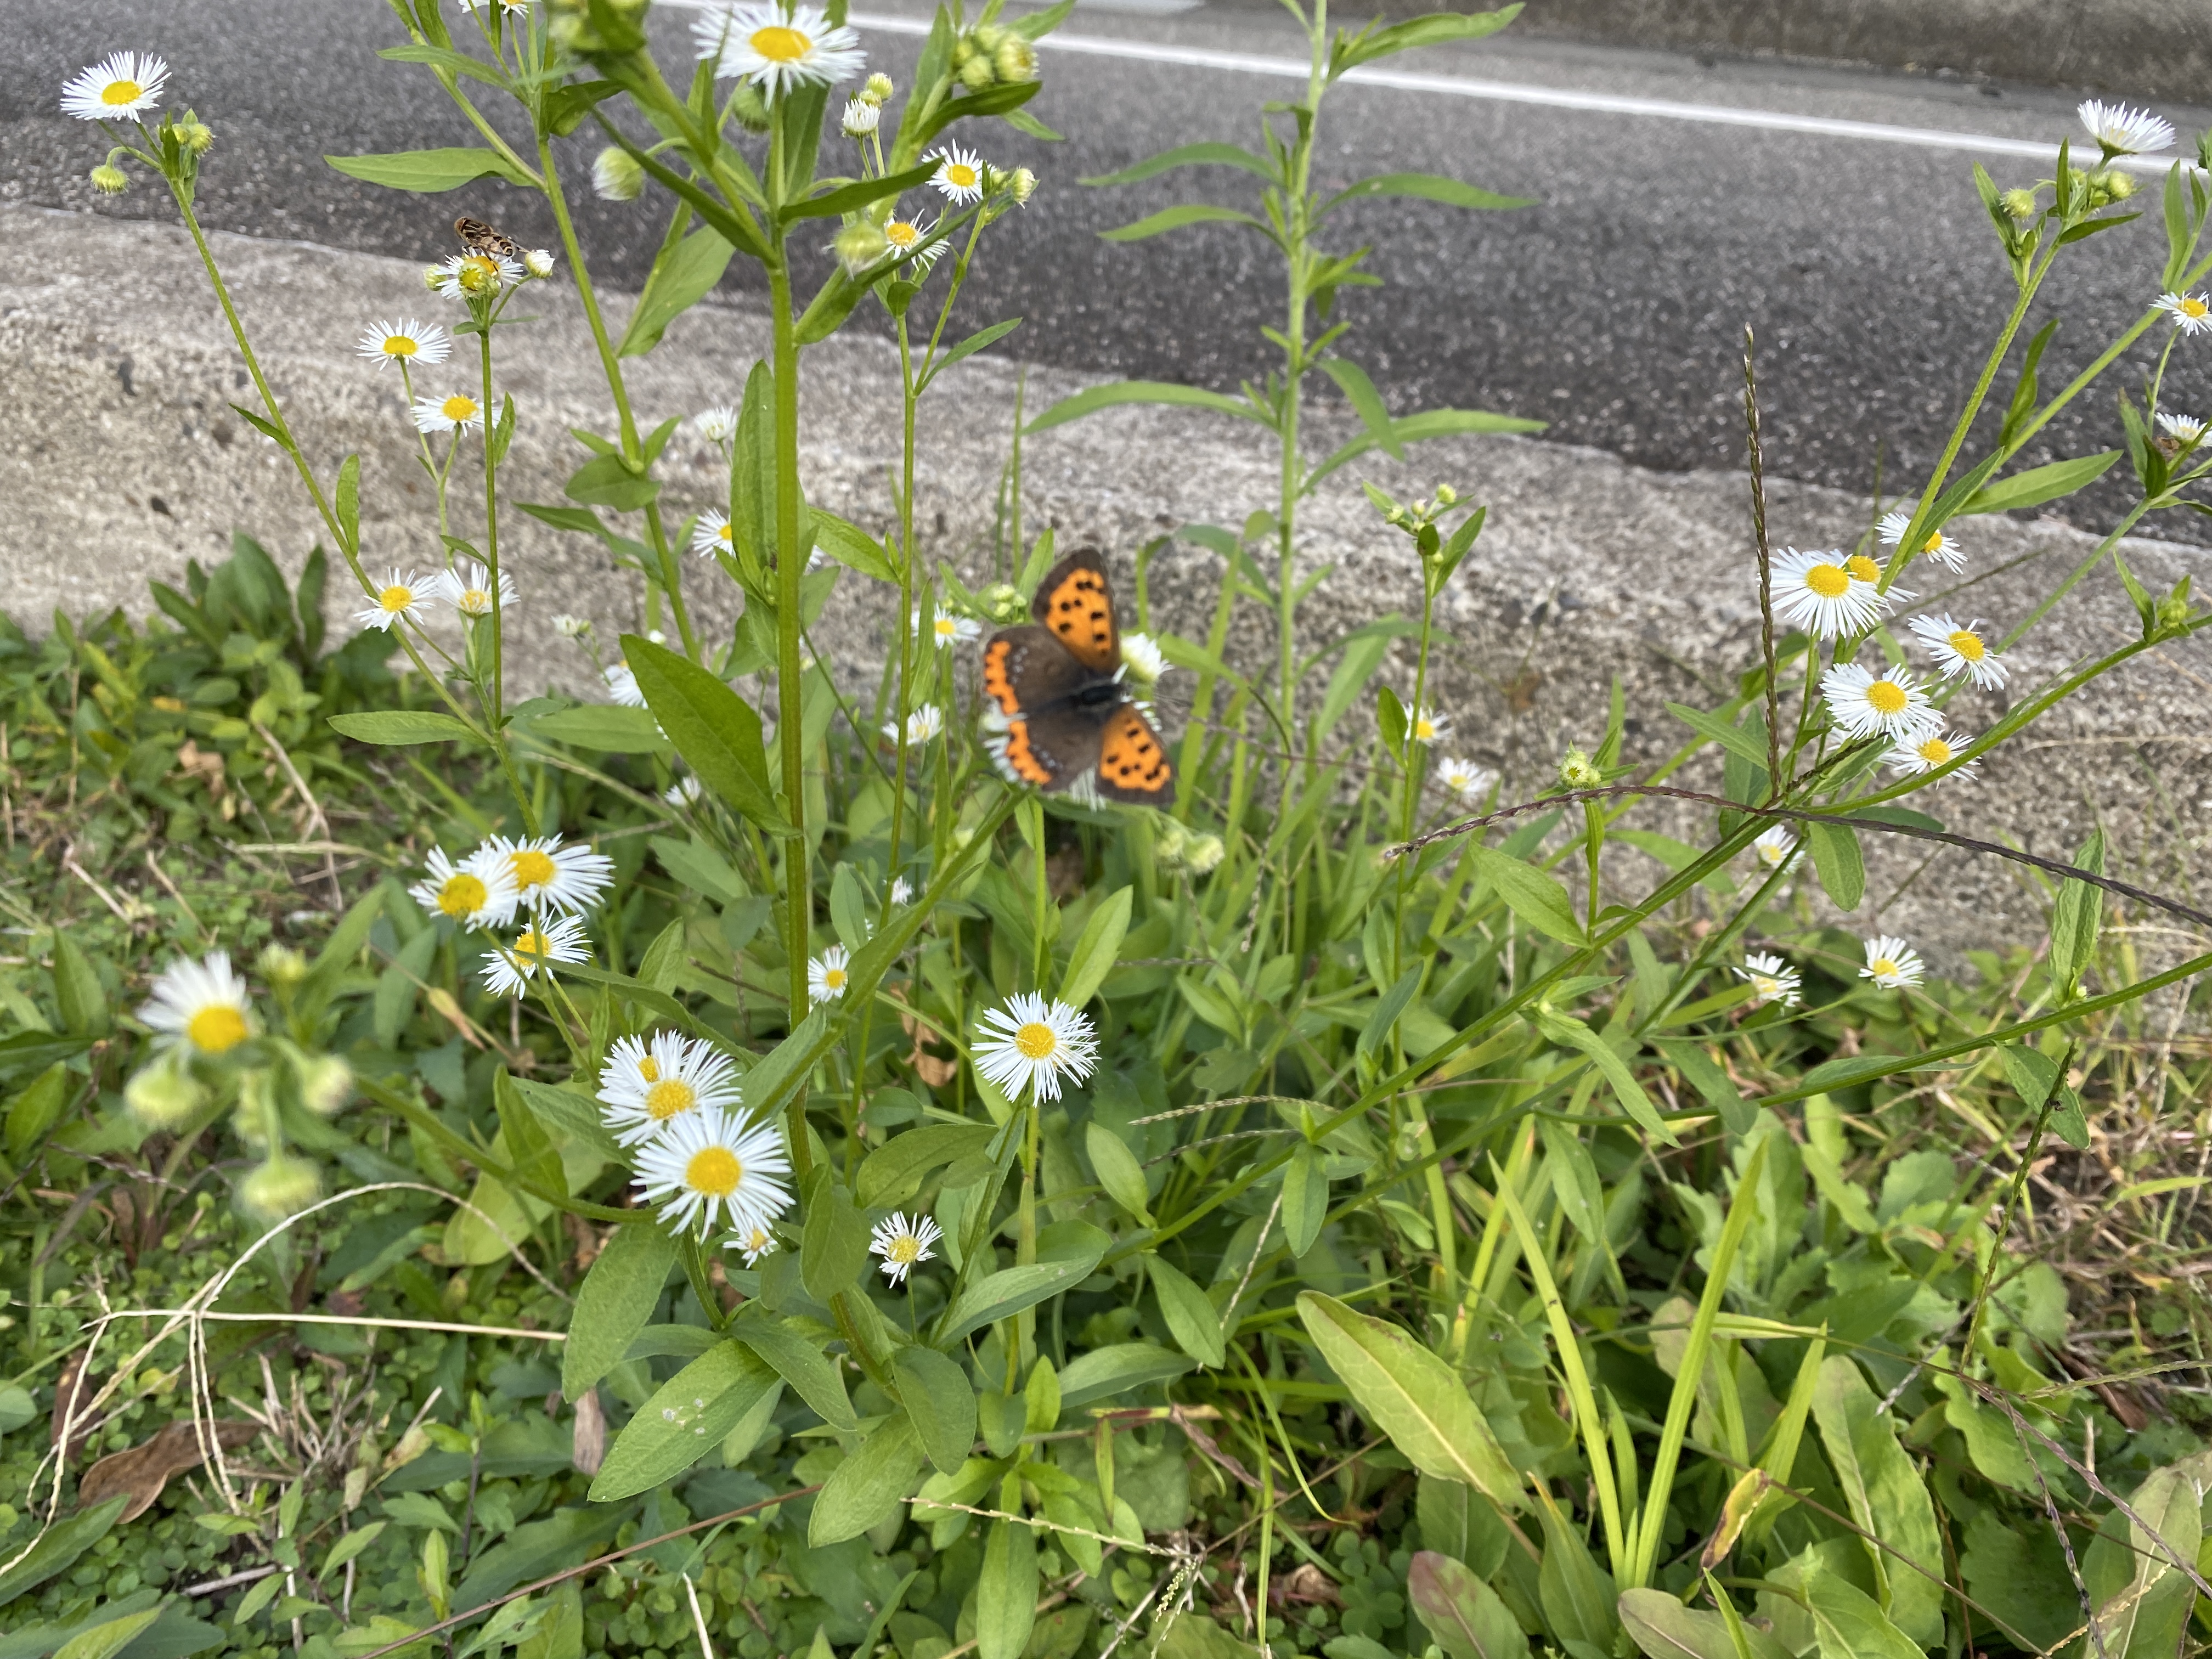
[(1133, 761), (1026, 670), (1077, 606), (1052, 750)]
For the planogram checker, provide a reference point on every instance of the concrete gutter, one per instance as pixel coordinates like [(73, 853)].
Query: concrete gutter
[(2147, 50), (126, 461)]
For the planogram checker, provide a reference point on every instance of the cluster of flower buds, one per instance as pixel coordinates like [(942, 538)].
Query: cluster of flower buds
[(1174, 848), (990, 55)]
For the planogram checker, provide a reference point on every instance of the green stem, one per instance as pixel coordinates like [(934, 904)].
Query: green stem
[(790, 562)]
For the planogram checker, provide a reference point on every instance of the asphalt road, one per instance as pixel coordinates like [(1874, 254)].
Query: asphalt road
[(1613, 309)]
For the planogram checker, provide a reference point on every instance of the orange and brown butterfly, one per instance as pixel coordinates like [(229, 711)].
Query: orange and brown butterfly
[(1057, 690), (478, 237)]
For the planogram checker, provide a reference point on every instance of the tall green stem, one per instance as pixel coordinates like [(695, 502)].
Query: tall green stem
[(790, 562), (1295, 207)]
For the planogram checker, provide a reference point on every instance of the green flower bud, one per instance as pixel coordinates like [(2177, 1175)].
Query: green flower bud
[(1204, 854), (283, 1185), (616, 175), (1170, 842), (109, 180), (1021, 185), (2021, 204), (976, 73), (1002, 603), (879, 89), (195, 134), (1578, 771), (2117, 187), (164, 1095), (1015, 61), (750, 108), (280, 965), (860, 245), (325, 1083)]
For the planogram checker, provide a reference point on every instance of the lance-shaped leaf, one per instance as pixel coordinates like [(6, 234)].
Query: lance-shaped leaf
[(1117, 393), (1462, 1612), (1426, 188), (867, 1486), (715, 728), (430, 171), (684, 1420), (615, 1301), (813, 1377)]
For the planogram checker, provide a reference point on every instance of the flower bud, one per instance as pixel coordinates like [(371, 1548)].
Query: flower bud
[(1170, 843), (280, 965), (163, 1095), (1002, 603), (976, 73), (2020, 203), (1579, 771), (750, 108), (861, 118), (616, 175), (537, 262), (325, 1083), (283, 1185), (2115, 185), (109, 180), (860, 245), (434, 278), (1016, 60), (1021, 185), (1446, 496), (195, 134), (569, 628), (879, 89), (1204, 854)]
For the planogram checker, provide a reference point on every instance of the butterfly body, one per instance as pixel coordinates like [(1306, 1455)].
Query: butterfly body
[(478, 237), (1057, 686)]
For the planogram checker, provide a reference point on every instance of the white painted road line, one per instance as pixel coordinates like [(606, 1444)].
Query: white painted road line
[(1513, 92)]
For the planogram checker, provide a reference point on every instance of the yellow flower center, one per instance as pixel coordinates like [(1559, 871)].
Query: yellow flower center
[(1864, 567), (476, 601), (960, 174), (458, 407), (901, 234), (906, 1248), (1766, 986), (946, 628), (1936, 752), (726, 534), (1037, 1041), (217, 1028), (396, 598), (1883, 968), (118, 92), (462, 895), (1934, 543), (833, 979), (665, 1100), (531, 867), (1830, 582), (399, 345), (1968, 644), (715, 1171), (531, 945), (2191, 307), (1886, 697), (478, 273), (1424, 728), (782, 45), (649, 1069)]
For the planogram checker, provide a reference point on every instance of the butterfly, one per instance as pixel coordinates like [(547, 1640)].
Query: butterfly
[(1058, 686), (478, 237)]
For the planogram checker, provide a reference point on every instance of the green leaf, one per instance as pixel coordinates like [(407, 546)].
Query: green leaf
[(1012, 1289), (1118, 392), (867, 1486), (1099, 943), (1435, 29), (351, 1545), (1119, 1171), (1105, 1372), (2032, 1073), (940, 1402), (614, 1302), (833, 1246), (1006, 1591), (851, 198), (428, 172), (1743, 743), (1887, 1499), (2074, 918), (713, 728), (347, 500), (59, 1548), (2040, 485), (79, 996), (1413, 1396), (1189, 155), (1192, 1318), (1427, 187), (398, 727), (852, 546), (1176, 218), (1462, 1612), (1690, 1056), (684, 1420), (982, 338), (608, 727), (610, 481), (1366, 402), (785, 1064), (567, 1538), (1389, 1008), (104, 1641), (684, 275), (1665, 1629), (813, 1377), (1850, 1624), (1530, 894), (1305, 1198), (35, 1110), (1837, 861), (893, 1172)]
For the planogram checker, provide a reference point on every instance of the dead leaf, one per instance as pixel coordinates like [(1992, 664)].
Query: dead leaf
[(1307, 1584), (347, 1304), (590, 1444), (73, 1393), (144, 1469), (927, 1066), (205, 765)]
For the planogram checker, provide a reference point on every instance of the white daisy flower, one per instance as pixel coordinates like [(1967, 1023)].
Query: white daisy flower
[(1144, 659), (2185, 429), (644, 1087), (1864, 704), (1924, 752), (901, 890), (123, 84), (622, 684), (477, 892), (862, 116), (538, 262), (828, 974), (509, 968), (904, 1244), (717, 425), (1031, 1043), (907, 238), (2191, 312), (1816, 592), (959, 174), (1865, 569), (571, 628), (923, 725), (707, 1169), (1776, 848), (406, 341), (397, 595), (1936, 546), (776, 50), (202, 1004), (712, 535), (1960, 650), (1463, 778), (1771, 980), (455, 412), (468, 589), (472, 275), (1891, 962), (2120, 130), (684, 791), (753, 1244), (1427, 726), (947, 629), (551, 875)]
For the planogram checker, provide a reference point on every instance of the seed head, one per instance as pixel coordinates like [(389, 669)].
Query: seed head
[(282, 1186), (325, 1083)]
